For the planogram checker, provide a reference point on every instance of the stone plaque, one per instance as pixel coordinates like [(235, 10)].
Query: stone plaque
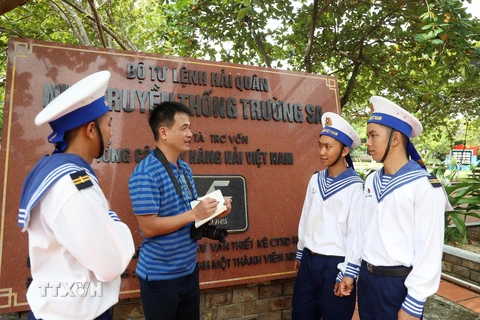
[(233, 187), (255, 138)]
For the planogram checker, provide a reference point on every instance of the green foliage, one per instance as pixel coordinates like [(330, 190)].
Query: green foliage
[(439, 140), (365, 173), (465, 200)]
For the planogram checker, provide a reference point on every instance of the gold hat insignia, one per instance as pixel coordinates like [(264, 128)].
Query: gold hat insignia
[(328, 122)]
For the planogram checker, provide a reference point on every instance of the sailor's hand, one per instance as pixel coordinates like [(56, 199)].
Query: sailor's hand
[(345, 287)]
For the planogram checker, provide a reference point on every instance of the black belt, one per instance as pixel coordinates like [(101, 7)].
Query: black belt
[(397, 271), (319, 254)]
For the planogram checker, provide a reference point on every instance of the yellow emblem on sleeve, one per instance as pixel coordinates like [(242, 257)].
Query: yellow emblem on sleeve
[(81, 179), (434, 181)]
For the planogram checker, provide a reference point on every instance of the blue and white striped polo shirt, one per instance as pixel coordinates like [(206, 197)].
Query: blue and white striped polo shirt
[(172, 255)]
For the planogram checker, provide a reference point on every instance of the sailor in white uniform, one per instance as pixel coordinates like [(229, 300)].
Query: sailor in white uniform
[(329, 214), (78, 246), (399, 239)]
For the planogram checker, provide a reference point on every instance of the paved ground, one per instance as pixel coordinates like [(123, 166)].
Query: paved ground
[(438, 308)]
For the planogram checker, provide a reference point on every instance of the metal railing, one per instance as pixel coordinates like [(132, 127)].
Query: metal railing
[(461, 282)]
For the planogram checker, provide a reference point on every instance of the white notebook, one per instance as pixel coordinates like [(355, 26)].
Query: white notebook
[(221, 207)]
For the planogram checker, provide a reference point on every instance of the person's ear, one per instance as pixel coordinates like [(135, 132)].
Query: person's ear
[(90, 129), (397, 138), (162, 133), (345, 151)]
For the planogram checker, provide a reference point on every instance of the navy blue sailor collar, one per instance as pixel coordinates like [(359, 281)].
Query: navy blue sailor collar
[(384, 184), (43, 176), (329, 186)]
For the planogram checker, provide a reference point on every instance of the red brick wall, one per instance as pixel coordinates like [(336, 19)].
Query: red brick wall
[(462, 268)]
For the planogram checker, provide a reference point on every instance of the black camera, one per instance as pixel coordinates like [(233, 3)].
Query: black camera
[(209, 231)]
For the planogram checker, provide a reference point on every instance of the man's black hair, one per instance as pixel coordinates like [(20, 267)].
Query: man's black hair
[(163, 115)]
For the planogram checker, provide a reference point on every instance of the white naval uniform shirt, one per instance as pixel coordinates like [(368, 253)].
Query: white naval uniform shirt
[(405, 228), (73, 239), (326, 225)]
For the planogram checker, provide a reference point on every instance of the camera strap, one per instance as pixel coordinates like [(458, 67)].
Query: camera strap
[(161, 157)]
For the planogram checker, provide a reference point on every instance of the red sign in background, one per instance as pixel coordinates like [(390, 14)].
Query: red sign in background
[(255, 138)]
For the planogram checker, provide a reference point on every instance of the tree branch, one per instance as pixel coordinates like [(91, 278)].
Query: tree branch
[(358, 60), (79, 32), (106, 29), (351, 84), (67, 20), (97, 21), (259, 43), (130, 43), (315, 16), (353, 78), (340, 69), (308, 52)]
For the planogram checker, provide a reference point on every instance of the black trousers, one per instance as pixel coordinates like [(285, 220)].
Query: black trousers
[(177, 299)]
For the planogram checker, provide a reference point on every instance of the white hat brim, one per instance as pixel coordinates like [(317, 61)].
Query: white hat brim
[(80, 94), (385, 106), (341, 124)]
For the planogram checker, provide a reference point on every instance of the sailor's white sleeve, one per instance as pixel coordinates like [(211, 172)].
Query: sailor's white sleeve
[(302, 225), (351, 266), (424, 279), (94, 235)]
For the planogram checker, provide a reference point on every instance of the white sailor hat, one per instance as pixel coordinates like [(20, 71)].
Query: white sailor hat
[(338, 128), (81, 103), (391, 115)]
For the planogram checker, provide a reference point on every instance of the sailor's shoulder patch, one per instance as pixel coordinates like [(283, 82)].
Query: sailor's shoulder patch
[(434, 181), (81, 179)]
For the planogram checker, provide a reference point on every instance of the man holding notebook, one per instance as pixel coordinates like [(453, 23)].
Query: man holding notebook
[(162, 189)]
